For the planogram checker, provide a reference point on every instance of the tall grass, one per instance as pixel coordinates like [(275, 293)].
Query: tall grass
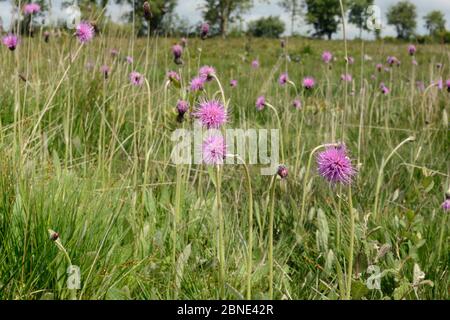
[(90, 159)]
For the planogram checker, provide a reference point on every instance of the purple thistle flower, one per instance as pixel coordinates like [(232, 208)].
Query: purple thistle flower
[(207, 73), (182, 107), (129, 60), (335, 166), (214, 150), (204, 30), (255, 64), (233, 83), (260, 103), (412, 49), (31, 8), (84, 32), (284, 78), (414, 62), (447, 83), (327, 56), (114, 52), (147, 10), (308, 83), (136, 78), (212, 114), (173, 76), (446, 205), (439, 84), (297, 104), (384, 90), (177, 50), (282, 171), (379, 67), (350, 60), (11, 41), (393, 60), (197, 84), (346, 77), (184, 42), (105, 70), (46, 36)]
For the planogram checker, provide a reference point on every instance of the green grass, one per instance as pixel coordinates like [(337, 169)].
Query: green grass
[(90, 159)]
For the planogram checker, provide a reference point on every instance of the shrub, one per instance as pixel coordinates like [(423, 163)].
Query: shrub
[(270, 27)]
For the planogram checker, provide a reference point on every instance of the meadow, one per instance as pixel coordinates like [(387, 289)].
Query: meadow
[(86, 177)]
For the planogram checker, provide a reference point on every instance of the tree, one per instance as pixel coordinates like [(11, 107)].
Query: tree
[(403, 16), (435, 22), (293, 8), (324, 16), (271, 27), (358, 14), (220, 13), (160, 9)]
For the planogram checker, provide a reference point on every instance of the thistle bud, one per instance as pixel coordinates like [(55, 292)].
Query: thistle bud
[(282, 171), (147, 10)]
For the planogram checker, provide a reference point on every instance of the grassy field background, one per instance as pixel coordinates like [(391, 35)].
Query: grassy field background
[(89, 158)]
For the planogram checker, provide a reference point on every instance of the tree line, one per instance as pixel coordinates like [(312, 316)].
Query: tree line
[(224, 16)]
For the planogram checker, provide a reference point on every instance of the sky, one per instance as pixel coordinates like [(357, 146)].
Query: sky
[(190, 10)]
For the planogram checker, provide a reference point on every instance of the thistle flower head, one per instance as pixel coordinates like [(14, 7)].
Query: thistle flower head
[(105, 70), (114, 52), (412, 49), (255, 64), (173, 76), (384, 90), (260, 103), (214, 150), (129, 60), (327, 56), (197, 84), (147, 10), (439, 83), (207, 73), (379, 67), (204, 30), (391, 60), (11, 41), (212, 114), (31, 8), (446, 205), (447, 83), (308, 82), (284, 78), (136, 78), (233, 83), (350, 60), (184, 42), (297, 104), (335, 166), (182, 107), (84, 32), (346, 77), (46, 35), (282, 171), (177, 50)]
